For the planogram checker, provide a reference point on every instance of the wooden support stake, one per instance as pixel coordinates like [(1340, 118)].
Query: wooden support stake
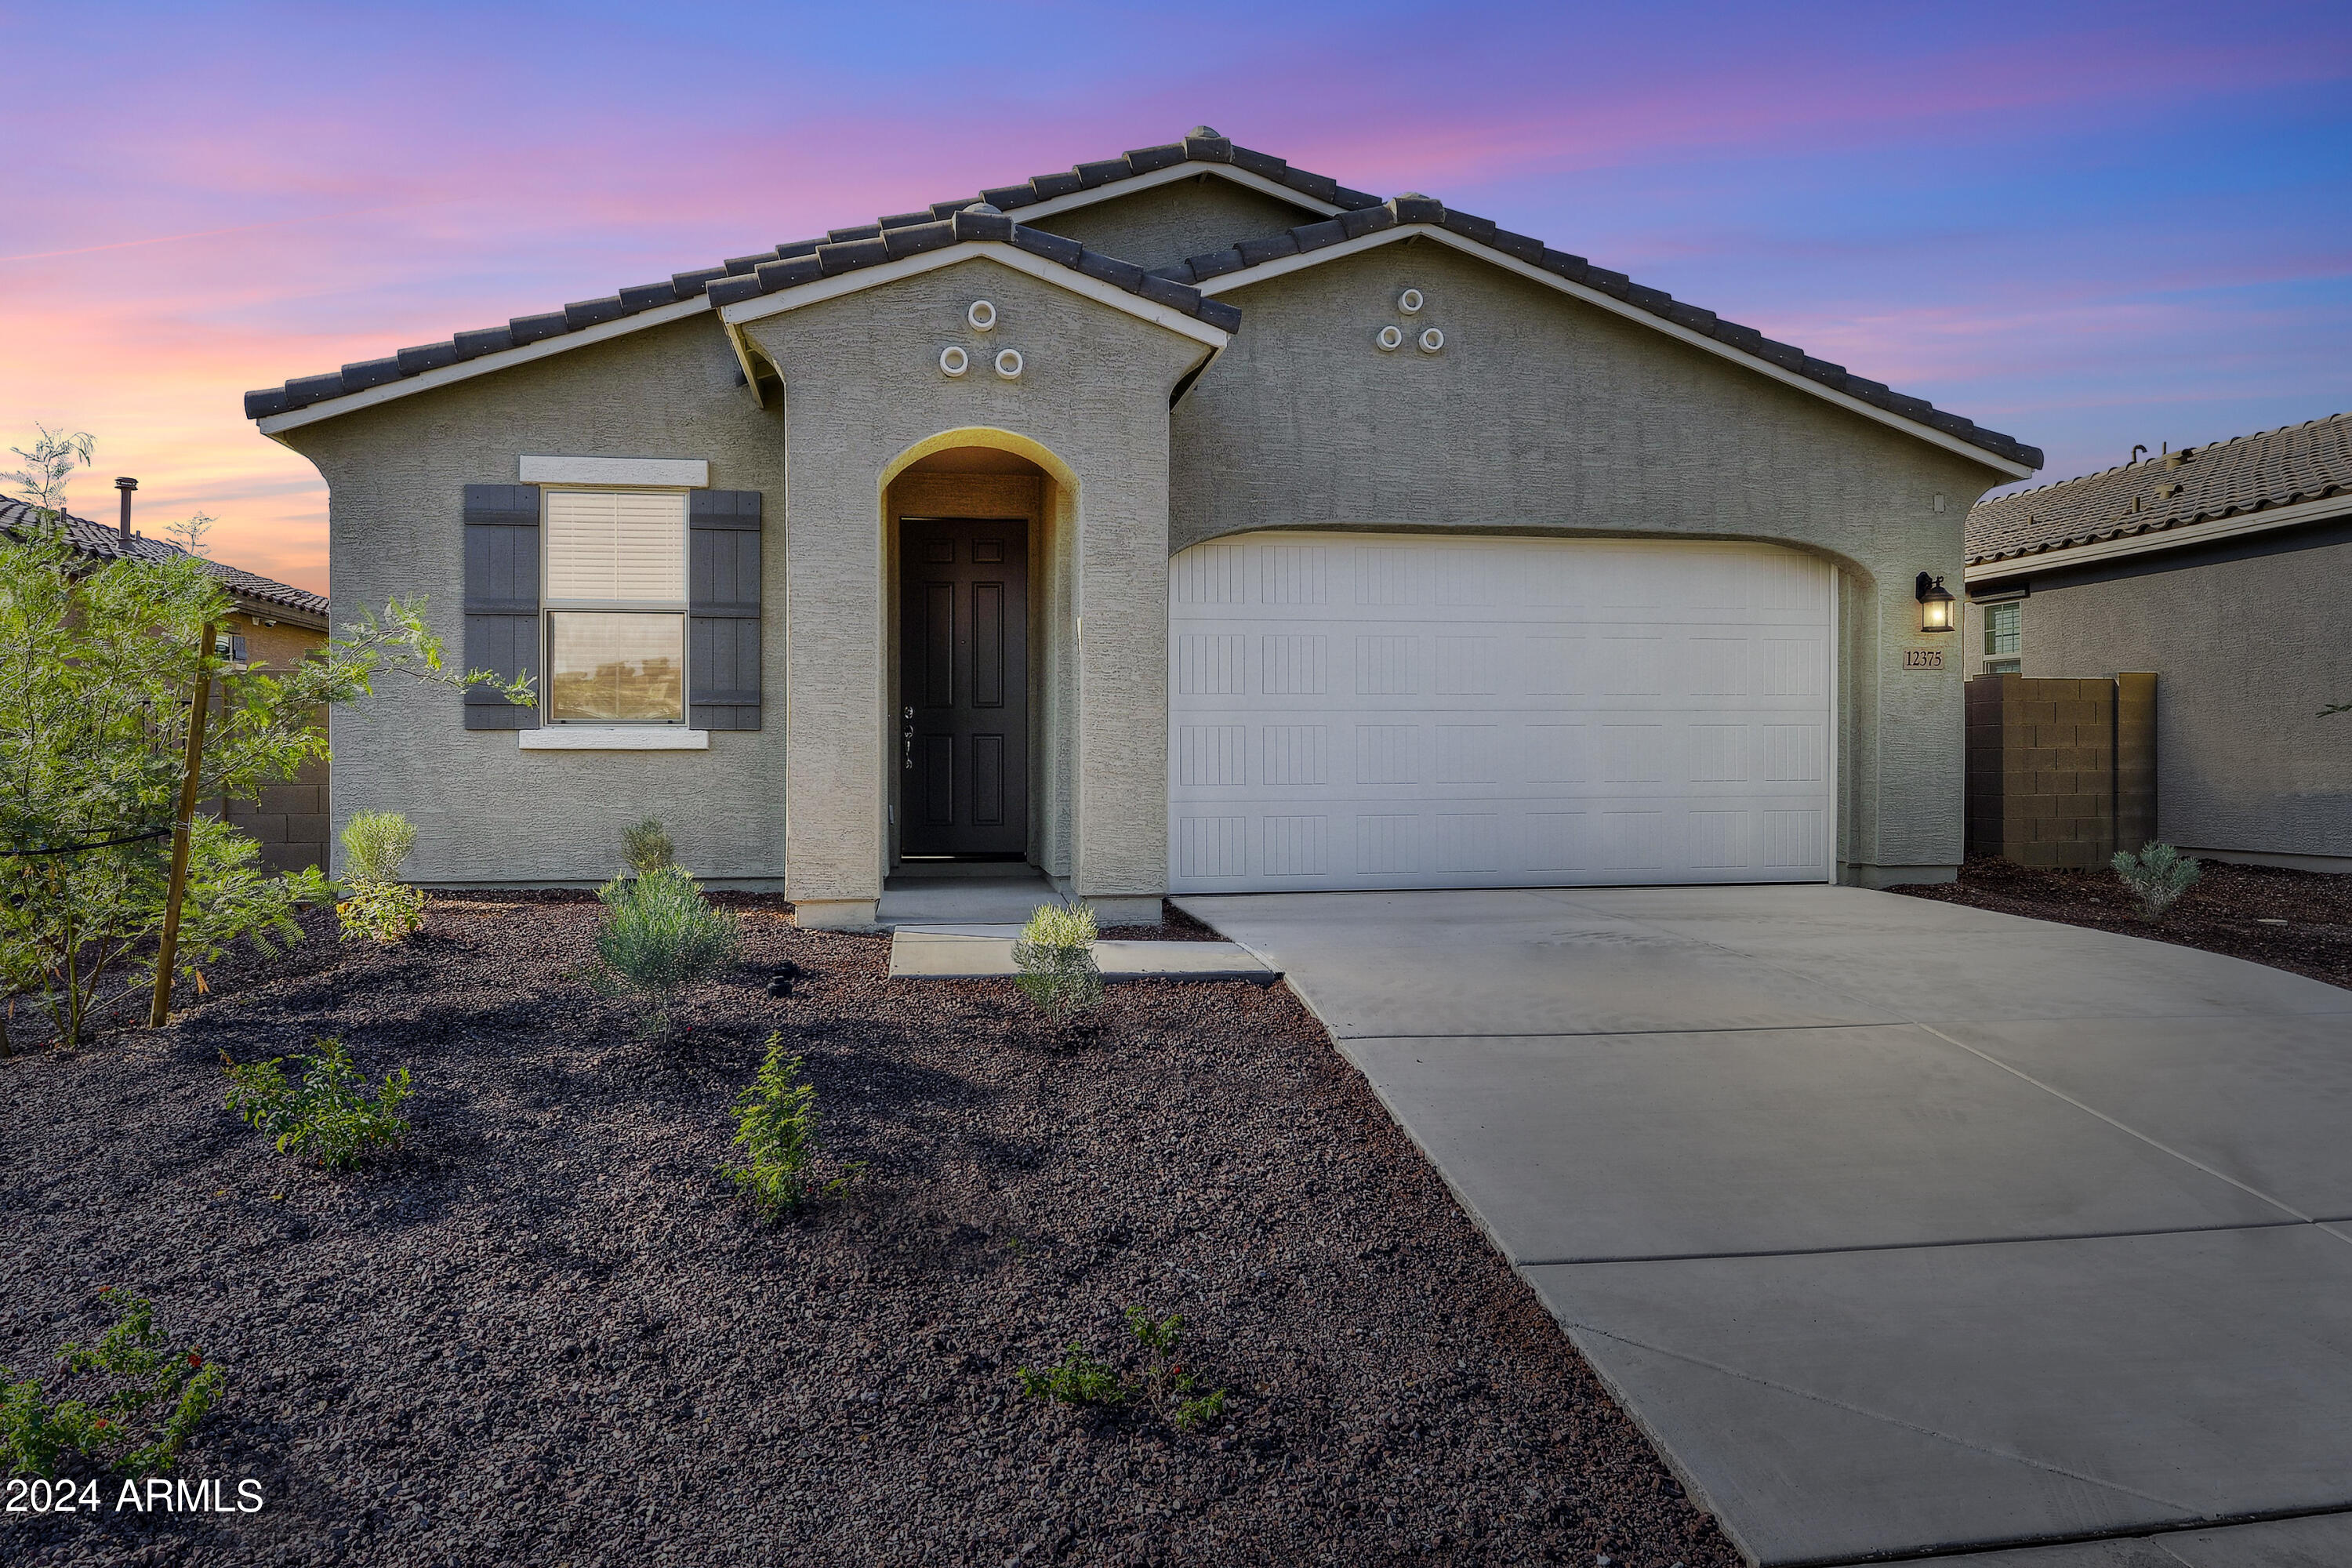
[(167, 954)]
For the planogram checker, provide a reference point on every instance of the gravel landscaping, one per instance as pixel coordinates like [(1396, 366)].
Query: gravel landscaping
[(2296, 920), (545, 1332)]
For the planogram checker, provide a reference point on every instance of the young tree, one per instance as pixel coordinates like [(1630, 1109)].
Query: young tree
[(96, 665), (48, 469), (189, 532)]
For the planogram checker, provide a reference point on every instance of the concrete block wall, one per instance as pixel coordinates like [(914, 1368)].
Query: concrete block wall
[(289, 819), (2061, 772)]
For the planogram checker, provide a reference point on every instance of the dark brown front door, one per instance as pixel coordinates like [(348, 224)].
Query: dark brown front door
[(963, 687)]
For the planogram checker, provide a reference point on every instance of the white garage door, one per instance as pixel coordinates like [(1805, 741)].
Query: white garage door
[(1400, 710)]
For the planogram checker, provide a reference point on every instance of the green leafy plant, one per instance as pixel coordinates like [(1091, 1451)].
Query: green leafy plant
[(97, 663), (148, 1401), (1076, 1379), (647, 848), (1081, 1379), (660, 935), (328, 1114), (1056, 956), (775, 1124), (376, 904), (2157, 876)]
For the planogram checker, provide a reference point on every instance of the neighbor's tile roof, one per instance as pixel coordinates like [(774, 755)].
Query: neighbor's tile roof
[(2197, 484), (951, 222), (103, 541)]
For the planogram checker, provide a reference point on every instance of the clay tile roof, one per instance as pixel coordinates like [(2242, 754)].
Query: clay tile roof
[(991, 215), (103, 541), (2295, 463), (1414, 207)]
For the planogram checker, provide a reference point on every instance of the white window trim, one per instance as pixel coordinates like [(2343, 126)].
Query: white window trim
[(618, 473), (579, 736), (548, 608)]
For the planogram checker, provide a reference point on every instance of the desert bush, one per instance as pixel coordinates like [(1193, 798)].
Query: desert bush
[(1056, 956), (775, 1122), (375, 845), (327, 1114), (376, 904), (647, 848), (1081, 1379), (2157, 876), (660, 935), (147, 1400)]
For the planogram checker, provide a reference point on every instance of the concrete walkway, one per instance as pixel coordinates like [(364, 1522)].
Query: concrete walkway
[(1901, 1228), (977, 952)]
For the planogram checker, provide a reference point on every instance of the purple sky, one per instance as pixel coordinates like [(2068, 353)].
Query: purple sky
[(2087, 225)]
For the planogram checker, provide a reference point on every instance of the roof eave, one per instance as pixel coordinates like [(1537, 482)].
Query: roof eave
[(1281, 265), (1189, 169)]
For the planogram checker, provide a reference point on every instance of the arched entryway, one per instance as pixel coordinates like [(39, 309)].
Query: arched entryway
[(979, 680)]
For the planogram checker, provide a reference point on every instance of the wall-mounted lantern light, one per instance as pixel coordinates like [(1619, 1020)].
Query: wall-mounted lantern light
[(1935, 604)]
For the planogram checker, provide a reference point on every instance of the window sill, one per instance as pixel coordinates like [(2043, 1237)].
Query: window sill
[(612, 738)]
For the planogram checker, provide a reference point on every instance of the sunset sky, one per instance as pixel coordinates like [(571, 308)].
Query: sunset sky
[(2085, 225)]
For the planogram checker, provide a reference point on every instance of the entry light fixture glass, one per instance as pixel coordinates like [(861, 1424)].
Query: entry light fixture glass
[(1935, 604)]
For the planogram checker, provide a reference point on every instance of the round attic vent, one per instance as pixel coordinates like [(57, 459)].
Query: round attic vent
[(1411, 302), (1009, 364), (1390, 338), (953, 361), (1431, 340), (982, 316)]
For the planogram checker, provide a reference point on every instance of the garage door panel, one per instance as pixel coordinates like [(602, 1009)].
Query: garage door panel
[(1380, 712)]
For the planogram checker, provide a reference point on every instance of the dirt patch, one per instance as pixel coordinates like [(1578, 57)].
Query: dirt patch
[(2296, 921), (546, 1332)]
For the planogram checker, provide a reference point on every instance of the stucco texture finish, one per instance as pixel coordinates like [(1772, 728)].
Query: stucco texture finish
[(1170, 223), (1545, 414), (2246, 650), (487, 812), (863, 385)]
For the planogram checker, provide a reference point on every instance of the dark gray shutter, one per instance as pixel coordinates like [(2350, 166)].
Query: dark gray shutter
[(722, 655), (502, 599)]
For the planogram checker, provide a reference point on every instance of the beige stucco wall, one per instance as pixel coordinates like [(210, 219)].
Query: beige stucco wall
[(1170, 223), (2245, 654), (863, 386), (1548, 414), (486, 811)]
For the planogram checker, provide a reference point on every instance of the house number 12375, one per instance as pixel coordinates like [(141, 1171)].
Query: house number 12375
[(1923, 659)]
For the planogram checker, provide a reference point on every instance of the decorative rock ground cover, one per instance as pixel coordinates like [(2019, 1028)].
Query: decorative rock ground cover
[(546, 1332)]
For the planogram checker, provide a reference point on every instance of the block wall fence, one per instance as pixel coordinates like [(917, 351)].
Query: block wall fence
[(2061, 772)]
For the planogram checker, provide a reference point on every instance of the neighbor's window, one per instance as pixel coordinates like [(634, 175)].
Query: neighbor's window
[(617, 607), (2001, 628)]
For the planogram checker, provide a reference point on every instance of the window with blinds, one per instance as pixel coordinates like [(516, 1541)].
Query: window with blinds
[(615, 598)]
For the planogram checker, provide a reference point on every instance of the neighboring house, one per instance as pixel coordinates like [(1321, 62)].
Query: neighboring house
[(1185, 521), (273, 623), (2211, 567)]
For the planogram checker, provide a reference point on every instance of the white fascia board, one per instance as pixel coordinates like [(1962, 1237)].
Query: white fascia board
[(2173, 538), (612, 738), (604, 332), (666, 473), (1004, 255), (1266, 271), (1168, 176)]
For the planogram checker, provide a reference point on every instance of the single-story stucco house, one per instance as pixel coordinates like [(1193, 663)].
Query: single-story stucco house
[(1185, 521), (2202, 566)]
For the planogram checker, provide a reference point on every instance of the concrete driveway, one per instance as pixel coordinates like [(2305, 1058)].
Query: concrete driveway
[(1901, 1228)]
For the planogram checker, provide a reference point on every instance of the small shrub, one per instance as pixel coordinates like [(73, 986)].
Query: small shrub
[(1078, 1379), (1056, 956), (647, 848), (148, 1400), (326, 1115), (775, 1121), (375, 843), (660, 935), (2157, 876), (376, 904)]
